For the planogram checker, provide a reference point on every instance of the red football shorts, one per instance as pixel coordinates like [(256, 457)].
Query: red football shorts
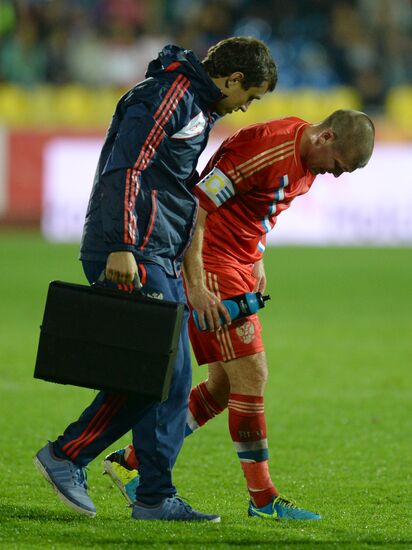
[(240, 338)]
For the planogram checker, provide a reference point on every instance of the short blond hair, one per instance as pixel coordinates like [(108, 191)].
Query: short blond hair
[(354, 135)]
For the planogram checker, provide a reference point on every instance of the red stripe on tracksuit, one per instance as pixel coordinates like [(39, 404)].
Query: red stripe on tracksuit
[(131, 191), (143, 273), (95, 427), (172, 66), (152, 219), (127, 226), (147, 154), (161, 117)]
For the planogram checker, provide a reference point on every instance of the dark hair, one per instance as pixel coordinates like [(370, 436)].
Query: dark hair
[(354, 135), (245, 54)]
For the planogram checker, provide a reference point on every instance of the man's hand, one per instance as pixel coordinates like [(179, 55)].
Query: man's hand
[(201, 299), (258, 272), (208, 307), (121, 268)]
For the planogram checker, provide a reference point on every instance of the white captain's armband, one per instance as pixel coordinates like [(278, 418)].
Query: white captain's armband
[(217, 187)]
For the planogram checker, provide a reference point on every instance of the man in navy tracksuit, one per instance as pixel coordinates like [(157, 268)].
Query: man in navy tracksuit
[(139, 224)]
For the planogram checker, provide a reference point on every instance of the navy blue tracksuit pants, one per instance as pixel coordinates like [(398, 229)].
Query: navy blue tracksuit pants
[(158, 428)]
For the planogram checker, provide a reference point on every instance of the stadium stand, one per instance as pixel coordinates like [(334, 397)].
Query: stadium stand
[(65, 63)]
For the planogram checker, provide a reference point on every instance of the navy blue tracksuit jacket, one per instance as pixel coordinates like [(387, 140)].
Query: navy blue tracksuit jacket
[(141, 199)]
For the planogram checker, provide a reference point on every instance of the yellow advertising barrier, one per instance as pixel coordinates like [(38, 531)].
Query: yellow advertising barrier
[(76, 106)]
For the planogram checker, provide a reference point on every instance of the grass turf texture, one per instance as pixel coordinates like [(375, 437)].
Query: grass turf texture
[(338, 406)]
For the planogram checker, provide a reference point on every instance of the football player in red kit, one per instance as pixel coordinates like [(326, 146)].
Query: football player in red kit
[(249, 181)]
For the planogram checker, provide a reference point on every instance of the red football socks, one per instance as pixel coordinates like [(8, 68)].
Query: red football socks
[(202, 407), (247, 427)]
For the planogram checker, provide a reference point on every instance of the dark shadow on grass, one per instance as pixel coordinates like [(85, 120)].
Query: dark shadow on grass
[(144, 540), (15, 511)]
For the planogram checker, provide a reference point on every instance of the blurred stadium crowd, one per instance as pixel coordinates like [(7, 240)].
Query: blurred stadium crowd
[(317, 43), (100, 44)]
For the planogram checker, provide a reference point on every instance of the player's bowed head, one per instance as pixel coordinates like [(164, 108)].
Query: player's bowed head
[(342, 142)]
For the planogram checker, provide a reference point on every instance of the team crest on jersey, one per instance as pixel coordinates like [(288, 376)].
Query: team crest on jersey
[(246, 332)]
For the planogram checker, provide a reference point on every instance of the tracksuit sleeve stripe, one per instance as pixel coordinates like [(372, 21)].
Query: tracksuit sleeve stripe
[(153, 140)]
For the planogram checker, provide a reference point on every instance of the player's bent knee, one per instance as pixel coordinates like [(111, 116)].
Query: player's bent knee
[(263, 375), (260, 377), (248, 375)]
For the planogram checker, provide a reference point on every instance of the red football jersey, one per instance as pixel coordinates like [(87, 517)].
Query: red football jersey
[(252, 177)]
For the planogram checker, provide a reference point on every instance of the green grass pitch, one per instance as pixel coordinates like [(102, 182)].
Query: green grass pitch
[(338, 336)]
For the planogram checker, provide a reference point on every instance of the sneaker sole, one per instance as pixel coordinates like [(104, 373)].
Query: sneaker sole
[(108, 469), (268, 517), (42, 470), (216, 520)]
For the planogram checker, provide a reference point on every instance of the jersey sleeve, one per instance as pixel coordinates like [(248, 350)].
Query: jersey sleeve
[(219, 181), (214, 190), (255, 159)]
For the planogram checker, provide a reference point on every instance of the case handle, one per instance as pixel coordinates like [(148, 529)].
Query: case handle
[(136, 282)]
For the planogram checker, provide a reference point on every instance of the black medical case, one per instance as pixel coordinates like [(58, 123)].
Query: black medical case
[(107, 339)]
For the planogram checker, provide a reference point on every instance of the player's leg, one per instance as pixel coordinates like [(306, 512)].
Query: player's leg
[(247, 426), (239, 351), (208, 399), (240, 345)]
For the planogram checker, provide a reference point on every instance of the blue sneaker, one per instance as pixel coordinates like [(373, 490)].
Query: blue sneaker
[(125, 478), (171, 509), (281, 508), (68, 480)]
